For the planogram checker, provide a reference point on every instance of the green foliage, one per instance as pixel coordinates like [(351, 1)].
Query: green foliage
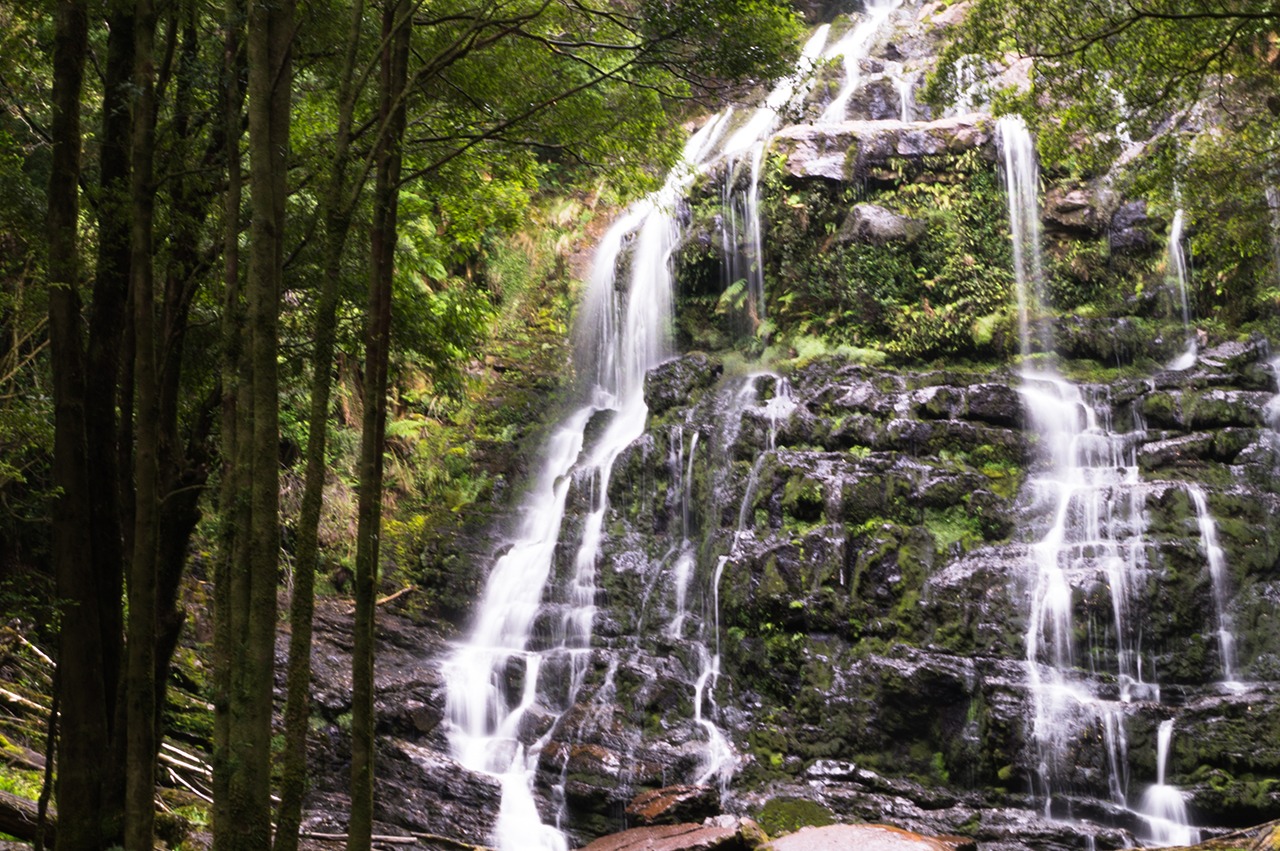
[(1193, 80), (910, 299)]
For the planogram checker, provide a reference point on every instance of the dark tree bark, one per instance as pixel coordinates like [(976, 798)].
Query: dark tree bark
[(140, 694), (80, 653), (234, 372), (337, 224), (253, 580), (394, 73), (106, 337)]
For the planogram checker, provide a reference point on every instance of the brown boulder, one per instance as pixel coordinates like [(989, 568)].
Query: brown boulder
[(866, 837), (672, 804), (722, 834)]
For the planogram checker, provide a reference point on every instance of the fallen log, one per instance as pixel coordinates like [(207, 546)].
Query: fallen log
[(18, 818)]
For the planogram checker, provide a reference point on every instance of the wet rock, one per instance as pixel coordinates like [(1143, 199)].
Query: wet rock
[(1130, 230), (674, 805), (877, 225), (1235, 356), (841, 151), (675, 381), (718, 835), (875, 100), (1072, 209), (866, 837)]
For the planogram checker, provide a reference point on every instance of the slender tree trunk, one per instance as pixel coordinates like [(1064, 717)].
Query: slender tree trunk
[(102, 394), (395, 40), (302, 607), (140, 693), (233, 476), (270, 31), (83, 698)]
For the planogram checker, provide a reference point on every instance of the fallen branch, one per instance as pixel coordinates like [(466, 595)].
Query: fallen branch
[(35, 651), (411, 839), (19, 818), (21, 702), (397, 595), (342, 837), (449, 842)]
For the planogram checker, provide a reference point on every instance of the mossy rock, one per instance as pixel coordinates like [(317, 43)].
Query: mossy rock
[(803, 499), (785, 815)]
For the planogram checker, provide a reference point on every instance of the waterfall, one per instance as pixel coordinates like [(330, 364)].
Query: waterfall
[(1162, 806), (1022, 186), (852, 49), (1091, 490), (1218, 581), (720, 762), (1177, 260), (906, 101), (625, 337), (1093, 495), (741, 234), (686, 558), (501, 673)]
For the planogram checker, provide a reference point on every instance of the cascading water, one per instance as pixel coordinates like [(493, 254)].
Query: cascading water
[(906, 99), (740, 233), (1162, 805), (1022, 186), (852, 48), (720, 762), (626, 338), (1091, 489), (1177, 260), (1092, 492), (1216, 560)]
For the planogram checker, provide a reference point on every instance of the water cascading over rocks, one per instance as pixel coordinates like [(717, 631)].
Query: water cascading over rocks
[(512, 674), (1092, 488), (973, 600)]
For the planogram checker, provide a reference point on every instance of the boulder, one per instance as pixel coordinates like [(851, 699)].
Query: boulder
[(878, 225), (1130, 228), (674, 804), (722, 834), (866, 837), (1072, 209), (838, 151)]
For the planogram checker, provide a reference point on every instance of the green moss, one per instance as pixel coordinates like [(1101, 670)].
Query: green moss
[(953, 525), (783, 815), (803, 500)]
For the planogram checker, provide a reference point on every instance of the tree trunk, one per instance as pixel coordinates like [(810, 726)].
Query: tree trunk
[(394, 69), (270, 31), (234, 514), (80, 656), (106, 337), (139, 829), (337, 226)]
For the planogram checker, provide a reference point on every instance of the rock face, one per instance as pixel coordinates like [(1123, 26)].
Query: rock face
[(839, 152), (859, 545), (876, 225)]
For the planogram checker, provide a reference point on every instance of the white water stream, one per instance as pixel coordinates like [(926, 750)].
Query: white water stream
[(627, 334), (852, 49), (1022, 186), (1162, 805), (506, 671), (1091, 489), (1217, 562), (1177, 260)]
